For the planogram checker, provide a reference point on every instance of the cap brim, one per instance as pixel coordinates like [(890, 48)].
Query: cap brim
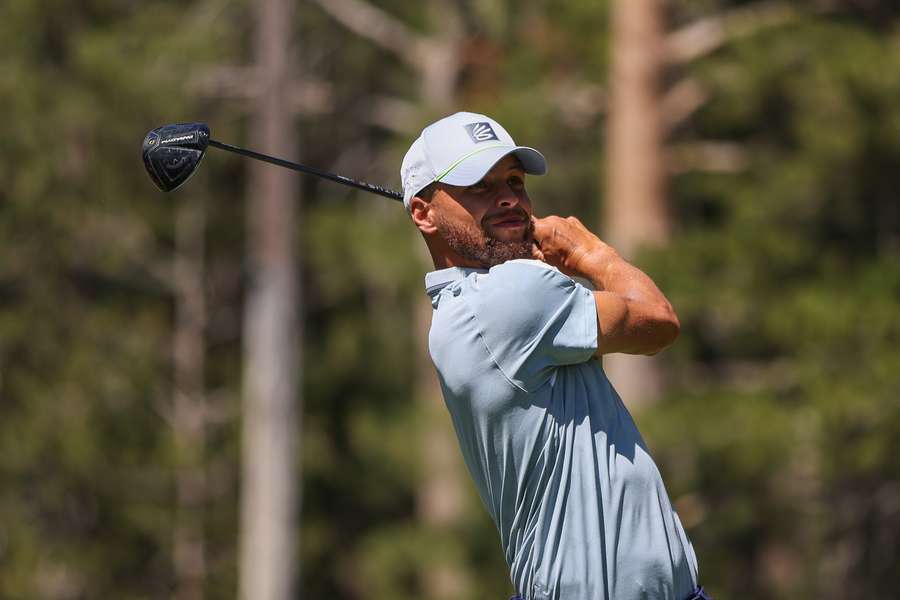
[(472, 169)]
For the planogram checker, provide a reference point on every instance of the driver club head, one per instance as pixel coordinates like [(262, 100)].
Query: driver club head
[(172, 153)]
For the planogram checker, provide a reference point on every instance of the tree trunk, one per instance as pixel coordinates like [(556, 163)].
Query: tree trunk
[(271, 336), (189, 353), (635, 212)]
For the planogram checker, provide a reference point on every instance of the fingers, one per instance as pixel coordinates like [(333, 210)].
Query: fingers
[(564, 242), (546, 227), (555, 228)]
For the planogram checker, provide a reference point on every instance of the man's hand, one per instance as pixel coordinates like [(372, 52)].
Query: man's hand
[(566, 243), (633, 316)]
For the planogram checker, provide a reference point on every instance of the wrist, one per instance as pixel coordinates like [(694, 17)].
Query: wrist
[(594, 263)]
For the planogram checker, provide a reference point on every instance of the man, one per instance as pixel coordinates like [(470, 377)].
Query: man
[(516, 339)]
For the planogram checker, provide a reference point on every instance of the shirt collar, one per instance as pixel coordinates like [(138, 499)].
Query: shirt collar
[(435, 281)]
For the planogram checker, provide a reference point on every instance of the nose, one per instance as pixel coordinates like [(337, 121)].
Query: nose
[(507, 198)]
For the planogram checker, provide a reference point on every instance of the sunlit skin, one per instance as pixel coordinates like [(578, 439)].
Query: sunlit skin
[(496, 207), (491, 221)]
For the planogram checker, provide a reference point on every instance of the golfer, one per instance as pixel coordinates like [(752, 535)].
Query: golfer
[(516, 339)]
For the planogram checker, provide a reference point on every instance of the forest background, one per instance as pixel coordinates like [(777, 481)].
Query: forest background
[(755, 180)]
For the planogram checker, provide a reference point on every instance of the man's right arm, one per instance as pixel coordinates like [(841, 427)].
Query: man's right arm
[(633, 315)]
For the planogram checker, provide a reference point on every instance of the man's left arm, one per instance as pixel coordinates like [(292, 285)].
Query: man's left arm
[(633, 315)]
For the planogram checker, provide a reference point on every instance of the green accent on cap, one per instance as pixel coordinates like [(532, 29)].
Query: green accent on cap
[(469, 155)]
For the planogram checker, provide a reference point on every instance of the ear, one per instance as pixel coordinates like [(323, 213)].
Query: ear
[(422, 215)]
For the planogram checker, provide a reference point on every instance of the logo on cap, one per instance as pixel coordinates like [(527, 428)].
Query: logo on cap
[(481, 132)]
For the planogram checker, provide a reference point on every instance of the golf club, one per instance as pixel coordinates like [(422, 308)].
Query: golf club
[(172, 153)]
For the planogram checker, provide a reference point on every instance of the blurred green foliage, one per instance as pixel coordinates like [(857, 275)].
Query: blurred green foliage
[(781, 432), (777, 439)]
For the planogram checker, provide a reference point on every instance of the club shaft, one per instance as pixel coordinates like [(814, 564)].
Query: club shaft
[(360, 185)]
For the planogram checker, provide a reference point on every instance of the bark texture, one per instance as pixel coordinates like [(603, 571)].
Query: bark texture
[(189, 402), (635, 210), (269, 485)]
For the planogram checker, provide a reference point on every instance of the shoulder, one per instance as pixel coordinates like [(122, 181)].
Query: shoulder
[(521, 292), (532, 318), (525, 283), (524, 275)]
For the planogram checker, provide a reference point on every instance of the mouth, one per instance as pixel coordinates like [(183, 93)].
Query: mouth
[(509, 221)]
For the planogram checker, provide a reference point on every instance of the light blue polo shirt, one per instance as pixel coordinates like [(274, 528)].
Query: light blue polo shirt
[(558, 461)]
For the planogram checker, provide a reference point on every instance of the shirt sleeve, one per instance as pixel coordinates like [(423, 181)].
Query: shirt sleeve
[(533, 319)]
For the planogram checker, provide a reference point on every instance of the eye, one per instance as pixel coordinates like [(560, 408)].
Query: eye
[(478, 187), (515, 182)]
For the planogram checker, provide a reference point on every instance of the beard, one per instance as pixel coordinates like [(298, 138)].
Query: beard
[(474, 243)]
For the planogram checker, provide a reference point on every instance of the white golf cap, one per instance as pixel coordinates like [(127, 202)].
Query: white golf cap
[(460, 150)]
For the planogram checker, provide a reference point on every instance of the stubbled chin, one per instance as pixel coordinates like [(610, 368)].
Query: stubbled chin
[(520, 234)]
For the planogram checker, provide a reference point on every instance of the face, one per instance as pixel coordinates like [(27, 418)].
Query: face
[(484, 224)]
